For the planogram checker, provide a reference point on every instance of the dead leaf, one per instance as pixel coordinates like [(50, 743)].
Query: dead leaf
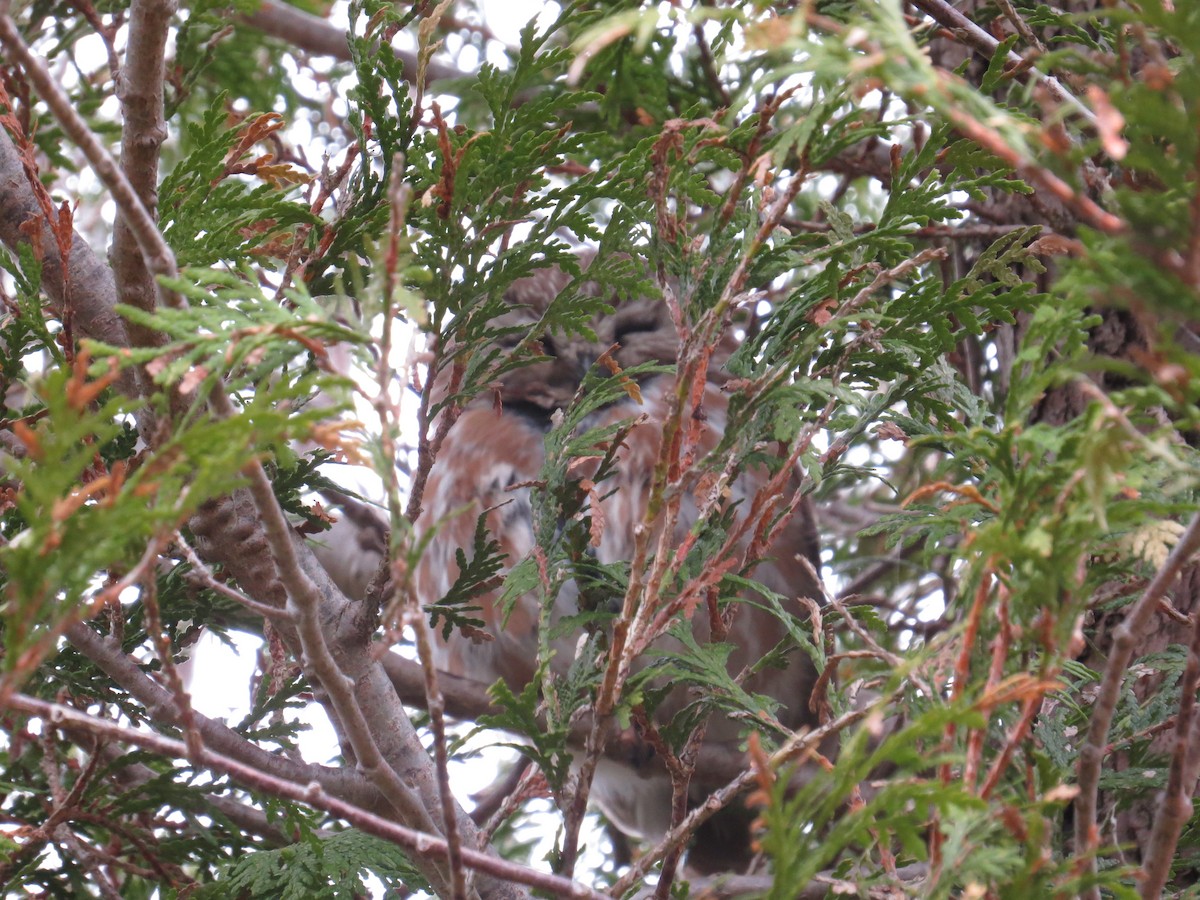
[(822, 313), (1109, 123)]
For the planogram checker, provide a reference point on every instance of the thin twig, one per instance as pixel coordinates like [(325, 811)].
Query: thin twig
[(974, 36), (399, 194), (796, 746), (494, 803), (159, 703), (867, 577), (420, 845), (166, 657), (1021, 25), (1000, 645), (203, 574), (1176, 807)]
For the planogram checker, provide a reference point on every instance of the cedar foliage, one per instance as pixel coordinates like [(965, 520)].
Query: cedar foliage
[(963, 263)]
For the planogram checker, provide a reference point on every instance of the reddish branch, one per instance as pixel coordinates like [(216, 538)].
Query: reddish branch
[(971, 35)]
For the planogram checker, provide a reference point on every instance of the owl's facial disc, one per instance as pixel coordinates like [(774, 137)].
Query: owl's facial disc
[(640, 328)]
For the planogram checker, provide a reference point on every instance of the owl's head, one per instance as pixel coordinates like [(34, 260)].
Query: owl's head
[(639, 326)]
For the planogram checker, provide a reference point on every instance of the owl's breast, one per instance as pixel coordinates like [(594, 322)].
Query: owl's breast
[(483, 469)]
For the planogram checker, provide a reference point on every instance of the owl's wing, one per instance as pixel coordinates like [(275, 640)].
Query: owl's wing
[(485, 459)]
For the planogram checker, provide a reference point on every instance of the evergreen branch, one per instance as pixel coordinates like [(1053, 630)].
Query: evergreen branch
[(304, 601), (399, 195), (138, 777)]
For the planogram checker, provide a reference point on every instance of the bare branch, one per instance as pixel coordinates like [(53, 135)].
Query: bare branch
[(1019, 23), (1177, 804), (421, 846), (158, 256), (160, 705), (795, 747), (140, 90), (1091, 754), (978, 39)]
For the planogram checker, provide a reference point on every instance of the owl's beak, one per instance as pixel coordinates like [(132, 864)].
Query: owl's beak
[(585, 360)]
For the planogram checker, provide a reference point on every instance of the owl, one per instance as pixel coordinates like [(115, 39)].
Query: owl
[(488, 465)]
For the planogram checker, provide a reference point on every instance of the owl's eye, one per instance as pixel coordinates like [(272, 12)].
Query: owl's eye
[(513, 337), (631, 325)]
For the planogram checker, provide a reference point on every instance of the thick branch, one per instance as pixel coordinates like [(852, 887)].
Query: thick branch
[(140, 90), (1176, 807), (158, 256), (93, 293), (347, 628), (304, 603)]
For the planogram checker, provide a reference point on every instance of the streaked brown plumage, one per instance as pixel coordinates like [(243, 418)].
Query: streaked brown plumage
[(488, 460)]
